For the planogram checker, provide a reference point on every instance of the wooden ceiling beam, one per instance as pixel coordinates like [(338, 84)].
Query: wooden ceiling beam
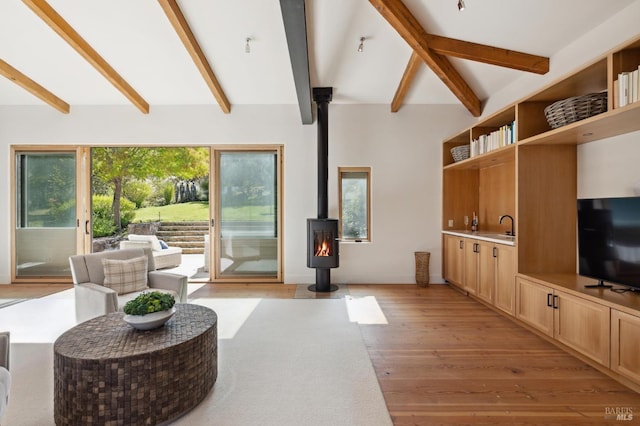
[(401, 19), (177, 19), (32, 87), (407, 79), (471, 51), (71, 36), (488, 54)]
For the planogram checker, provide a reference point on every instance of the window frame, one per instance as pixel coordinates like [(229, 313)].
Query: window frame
[(346, 170)]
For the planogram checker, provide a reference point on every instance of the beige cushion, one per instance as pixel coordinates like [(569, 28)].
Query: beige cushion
[(155, 244), (125, 276)]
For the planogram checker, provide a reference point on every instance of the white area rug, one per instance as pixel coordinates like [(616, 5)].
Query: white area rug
[(280, 362)]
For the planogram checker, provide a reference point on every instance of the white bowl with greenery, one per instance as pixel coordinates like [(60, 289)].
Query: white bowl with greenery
[(149, 310)]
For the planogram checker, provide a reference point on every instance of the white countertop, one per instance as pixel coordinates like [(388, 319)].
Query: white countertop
[(493, 237)]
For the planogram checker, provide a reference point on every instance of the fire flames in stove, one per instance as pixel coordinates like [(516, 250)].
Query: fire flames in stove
[(323, 243)]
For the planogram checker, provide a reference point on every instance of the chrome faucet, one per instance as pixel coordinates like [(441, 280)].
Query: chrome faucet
[(512, 233)]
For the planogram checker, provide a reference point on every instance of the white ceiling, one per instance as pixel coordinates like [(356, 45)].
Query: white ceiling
[(138, 41)]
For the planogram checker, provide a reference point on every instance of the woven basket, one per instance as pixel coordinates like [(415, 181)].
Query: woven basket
[(460, 153), (422, 268), (575, 109)]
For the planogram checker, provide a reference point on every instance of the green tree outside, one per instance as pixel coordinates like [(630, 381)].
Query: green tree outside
[(115, 167)]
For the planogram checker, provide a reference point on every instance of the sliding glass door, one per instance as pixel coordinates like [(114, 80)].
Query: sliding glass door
[(247, 214), (46, 213)]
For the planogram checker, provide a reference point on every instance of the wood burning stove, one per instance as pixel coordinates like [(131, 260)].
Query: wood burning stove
[(322, 243)]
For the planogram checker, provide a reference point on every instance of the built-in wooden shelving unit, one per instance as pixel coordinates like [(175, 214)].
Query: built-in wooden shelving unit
[(535, 181)]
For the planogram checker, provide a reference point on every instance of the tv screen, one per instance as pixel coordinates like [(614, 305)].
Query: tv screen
[(609, 240)]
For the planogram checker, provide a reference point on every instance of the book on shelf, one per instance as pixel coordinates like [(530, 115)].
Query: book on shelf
[(503, 136), (627, 88)]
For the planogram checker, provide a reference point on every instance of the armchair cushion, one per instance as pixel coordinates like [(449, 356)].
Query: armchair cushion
[(126, 276)]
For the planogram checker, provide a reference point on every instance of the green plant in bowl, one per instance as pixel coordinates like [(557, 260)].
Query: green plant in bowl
[(149, 302)]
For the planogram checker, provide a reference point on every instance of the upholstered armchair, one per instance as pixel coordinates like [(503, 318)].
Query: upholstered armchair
[(5, 376), (104, 282)]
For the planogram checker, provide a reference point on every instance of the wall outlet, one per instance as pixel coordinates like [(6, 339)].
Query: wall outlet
[(450, 223)]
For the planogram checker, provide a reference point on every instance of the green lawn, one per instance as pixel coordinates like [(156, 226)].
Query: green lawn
[(199, 210), (193, 211)]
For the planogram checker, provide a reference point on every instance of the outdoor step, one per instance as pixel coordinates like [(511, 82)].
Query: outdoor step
[(193, 223), (181, 237), (186, 244), (192, 251), (173, 228), (186, 233)]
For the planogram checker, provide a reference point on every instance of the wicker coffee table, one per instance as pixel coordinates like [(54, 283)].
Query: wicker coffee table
[(106, 372)]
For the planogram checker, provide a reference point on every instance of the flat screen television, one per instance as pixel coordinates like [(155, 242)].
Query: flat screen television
[(609, 240)]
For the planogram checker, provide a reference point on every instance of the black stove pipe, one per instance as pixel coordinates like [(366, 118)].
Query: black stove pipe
[(322, 97)]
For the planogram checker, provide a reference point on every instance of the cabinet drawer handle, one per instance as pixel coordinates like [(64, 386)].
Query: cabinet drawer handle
[(549, 302), (476, 248), (555, 302), (495, 252), (460, 244)]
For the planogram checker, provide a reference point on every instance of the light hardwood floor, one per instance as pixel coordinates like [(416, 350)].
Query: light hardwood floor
[(444, 358)]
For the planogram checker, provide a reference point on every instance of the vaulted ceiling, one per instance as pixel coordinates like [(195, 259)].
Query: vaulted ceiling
[(185, 52)]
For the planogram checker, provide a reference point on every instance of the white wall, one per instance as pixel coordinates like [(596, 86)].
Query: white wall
[(403, 149), (609, 167)]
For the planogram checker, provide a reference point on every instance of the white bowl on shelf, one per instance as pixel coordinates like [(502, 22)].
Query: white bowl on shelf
[(149, 321)]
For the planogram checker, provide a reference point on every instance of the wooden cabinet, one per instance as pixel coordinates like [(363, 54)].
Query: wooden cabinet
[(505, 278), (486, 271), (582, 325), (625, 344), (453, 259), (494, 271), (532, 305), (471, 265), (578, 323)]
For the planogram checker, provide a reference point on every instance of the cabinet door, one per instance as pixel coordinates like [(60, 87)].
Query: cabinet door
[(505, 284), (486, 271), (625, 344), (583, 325), (453, 259), (534, 305), (470, 266)]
